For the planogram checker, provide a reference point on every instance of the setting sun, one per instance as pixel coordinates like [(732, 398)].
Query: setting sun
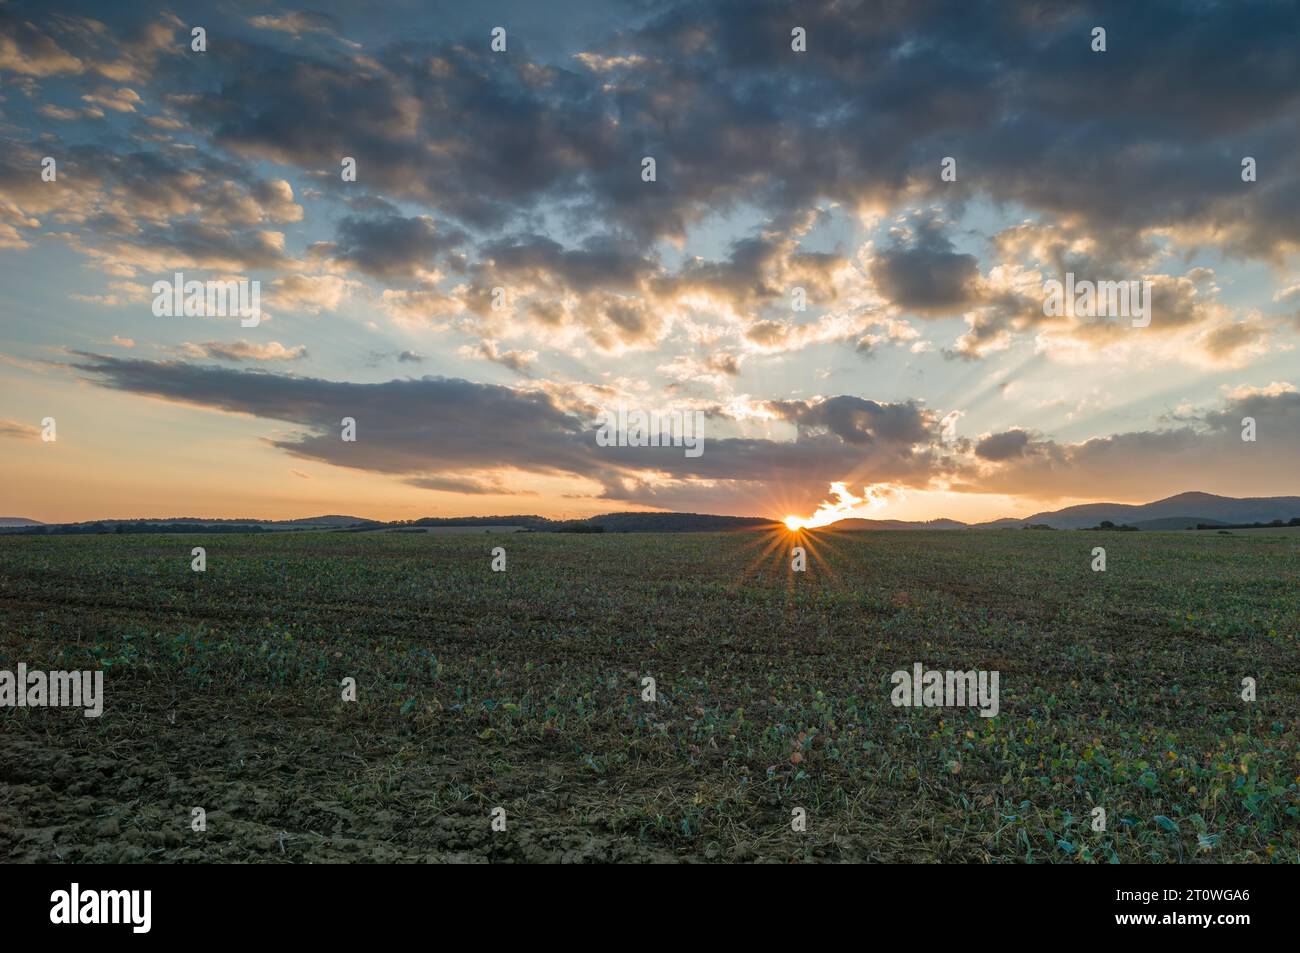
[(794, 523)]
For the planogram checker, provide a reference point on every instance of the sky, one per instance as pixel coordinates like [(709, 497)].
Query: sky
[(839, 268)]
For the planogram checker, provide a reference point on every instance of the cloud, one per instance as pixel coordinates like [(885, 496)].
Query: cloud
[(69, 45), (18, 431), (123, 99), (122, 293), (920, 272), (148, 211), (517, 361), (394, 246), (64, 114), (309, 294), (505, 148), (1205, 452), (245, 351), (858, 421), (706, 89), (474, 487), (1002, 446), (444, 428), (409, 427), (25, 50), (296, 23)]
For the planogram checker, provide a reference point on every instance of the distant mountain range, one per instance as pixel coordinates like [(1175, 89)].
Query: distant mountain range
[(1184, 511), (180, 524), (607, 522)]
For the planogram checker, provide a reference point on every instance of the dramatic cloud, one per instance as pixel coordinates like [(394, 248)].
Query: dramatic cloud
[(798, 235), (436, 428)]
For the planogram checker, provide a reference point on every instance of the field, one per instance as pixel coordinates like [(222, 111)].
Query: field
[(522, 690)]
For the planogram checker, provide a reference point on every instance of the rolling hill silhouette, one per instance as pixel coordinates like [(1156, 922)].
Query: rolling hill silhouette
[(1183, 511)]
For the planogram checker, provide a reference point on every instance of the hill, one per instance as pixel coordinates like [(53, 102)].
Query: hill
[(180, 524), (1182, 511), (608, 523), (675, 522), (1185, 511)]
